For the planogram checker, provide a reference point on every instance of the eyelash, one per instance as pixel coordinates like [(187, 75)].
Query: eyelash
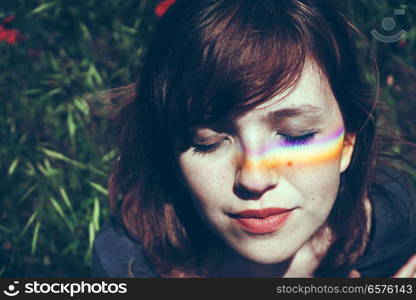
[(288, 140), (298, 140), (207, 149)]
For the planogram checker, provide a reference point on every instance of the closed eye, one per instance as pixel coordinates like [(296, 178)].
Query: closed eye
[(207, 149), (289, 140), (300, 140)]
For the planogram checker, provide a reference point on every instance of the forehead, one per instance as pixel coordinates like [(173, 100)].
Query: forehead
[(311, 95), (309, 101)]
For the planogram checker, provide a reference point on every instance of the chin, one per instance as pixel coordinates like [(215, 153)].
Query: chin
[(266, 257), (268, 260)]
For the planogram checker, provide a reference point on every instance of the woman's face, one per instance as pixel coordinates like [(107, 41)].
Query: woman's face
[(266, 181)]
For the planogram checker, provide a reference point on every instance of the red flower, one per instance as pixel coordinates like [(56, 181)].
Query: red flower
[(163, 7), (9, 36)]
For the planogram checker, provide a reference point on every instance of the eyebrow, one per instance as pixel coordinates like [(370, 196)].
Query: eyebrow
[(305, 110)]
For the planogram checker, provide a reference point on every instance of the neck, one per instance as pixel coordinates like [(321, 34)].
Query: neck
[(302, 264)]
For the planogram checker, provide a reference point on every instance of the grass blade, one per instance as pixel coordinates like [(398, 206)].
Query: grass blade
[(35, 237), (42, 8), (96, 214), (65, 197), (28, 223), (91, 235), (59, 156), (58, 208), (27, 193), (99, 188), (13, 166)]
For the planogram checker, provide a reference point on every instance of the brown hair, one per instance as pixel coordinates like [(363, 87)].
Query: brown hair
[(209, 60)]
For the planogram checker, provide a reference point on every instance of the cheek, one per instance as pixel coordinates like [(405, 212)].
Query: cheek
[(306, 156), (207, 185), (204, 179), (317, 183), (316, 154), (315, 174)]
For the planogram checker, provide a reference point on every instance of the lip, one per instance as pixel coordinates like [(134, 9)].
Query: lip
[(262, 221)]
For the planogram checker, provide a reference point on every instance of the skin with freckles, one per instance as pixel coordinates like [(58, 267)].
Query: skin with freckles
[(288, 152), (276, 154)]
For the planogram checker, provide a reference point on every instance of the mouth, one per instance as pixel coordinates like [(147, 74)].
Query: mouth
[(262, 221)]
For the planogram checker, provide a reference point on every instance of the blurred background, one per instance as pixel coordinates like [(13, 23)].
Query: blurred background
[(59, 59)]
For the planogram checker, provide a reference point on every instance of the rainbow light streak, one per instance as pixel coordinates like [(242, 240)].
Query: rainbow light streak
[(281, 153)]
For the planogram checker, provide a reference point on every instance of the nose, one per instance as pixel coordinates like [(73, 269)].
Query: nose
[(254, 177)]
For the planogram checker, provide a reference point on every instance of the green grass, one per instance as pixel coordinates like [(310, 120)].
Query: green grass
[(54, 154)]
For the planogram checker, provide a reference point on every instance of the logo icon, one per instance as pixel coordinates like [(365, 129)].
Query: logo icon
[(388, 24), (11, 291)]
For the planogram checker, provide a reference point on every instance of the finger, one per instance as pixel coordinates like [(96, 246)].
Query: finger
[(354, 274), (408, 270)]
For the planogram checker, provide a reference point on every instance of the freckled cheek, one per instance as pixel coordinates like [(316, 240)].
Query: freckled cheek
[(293, 159), (316, 176), (195, 175), (312, 156), (203, 178)]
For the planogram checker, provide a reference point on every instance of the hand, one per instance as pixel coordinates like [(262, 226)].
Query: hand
[(354, 274), (407, 271)]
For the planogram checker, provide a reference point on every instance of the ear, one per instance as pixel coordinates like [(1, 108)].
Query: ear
[(347, 149)]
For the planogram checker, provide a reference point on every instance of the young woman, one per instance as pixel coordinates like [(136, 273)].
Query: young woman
[(250, 151)]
